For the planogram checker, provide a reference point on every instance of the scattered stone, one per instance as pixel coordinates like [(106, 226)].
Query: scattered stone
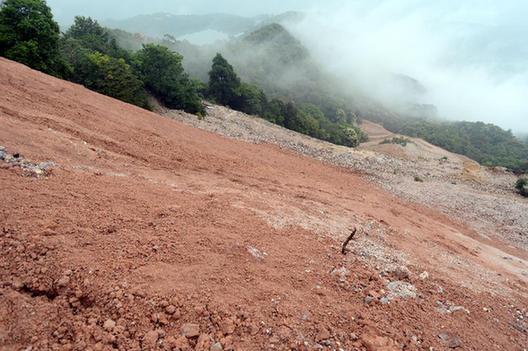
[(376, 295), (63, 281), (378, 343), (227, 326), (256, 253), (17, 160), (400, 289), (450, 340), (18, 284), (342, 273), (399, 273), (216, 347), (385, 300), (190, 330), (109, 325), (424, 276), (171, 309), (448, 308), (368, 299)]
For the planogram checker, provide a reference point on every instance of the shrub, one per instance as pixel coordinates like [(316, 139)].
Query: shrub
[(250, 99), (397, 140), (522, 186)]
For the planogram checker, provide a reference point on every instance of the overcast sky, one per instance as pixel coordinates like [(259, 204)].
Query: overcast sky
[(472, 55), (64, 10)]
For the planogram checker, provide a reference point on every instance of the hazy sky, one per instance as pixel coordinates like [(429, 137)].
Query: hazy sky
[(471, 55), (65, 9)]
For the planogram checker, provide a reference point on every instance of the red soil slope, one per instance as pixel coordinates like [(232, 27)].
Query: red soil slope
[(152, 235)]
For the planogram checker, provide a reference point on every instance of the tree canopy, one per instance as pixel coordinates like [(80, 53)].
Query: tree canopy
[(94, 37), (164, 76), (223, 82), (29, 35), (483, 142), (113, 77)]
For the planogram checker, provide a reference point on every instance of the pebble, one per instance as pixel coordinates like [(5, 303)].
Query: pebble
[(450, 340), (401, 289), (171, 309), (109, 325), (190, 330), (63, 281), (228, 326), (424, 276)]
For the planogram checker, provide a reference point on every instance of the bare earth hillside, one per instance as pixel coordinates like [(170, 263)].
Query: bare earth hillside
[(124, 229)]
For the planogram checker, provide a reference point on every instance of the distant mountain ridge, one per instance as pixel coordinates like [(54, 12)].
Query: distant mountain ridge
[(159, 24)]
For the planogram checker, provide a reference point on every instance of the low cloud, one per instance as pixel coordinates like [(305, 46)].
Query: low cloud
[(471, 56)]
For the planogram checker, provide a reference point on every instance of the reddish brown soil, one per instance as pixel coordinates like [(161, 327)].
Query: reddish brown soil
[(147, 223)]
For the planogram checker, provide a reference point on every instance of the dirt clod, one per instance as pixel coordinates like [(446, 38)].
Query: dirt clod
[(190, 330)]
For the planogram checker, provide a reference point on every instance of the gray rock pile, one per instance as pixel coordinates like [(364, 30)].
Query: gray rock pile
[(32, 169)]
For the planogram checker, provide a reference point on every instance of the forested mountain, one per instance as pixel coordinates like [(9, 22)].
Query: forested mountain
[(275, 61), (160, 24)]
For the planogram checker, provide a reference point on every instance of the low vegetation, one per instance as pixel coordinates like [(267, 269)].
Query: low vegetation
[(397, 141), (522, 186)]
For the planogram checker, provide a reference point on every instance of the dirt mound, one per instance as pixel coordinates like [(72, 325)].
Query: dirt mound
[(147, 234)]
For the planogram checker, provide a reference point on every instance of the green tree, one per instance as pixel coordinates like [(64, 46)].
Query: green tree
[(113, 77), (92, 36), (28, 34), (164, 76), (250, 99), (300, 121), (352, 137), (275, 111), (223, 82)]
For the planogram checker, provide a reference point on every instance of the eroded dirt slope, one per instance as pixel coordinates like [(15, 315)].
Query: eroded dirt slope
[(150, 234)]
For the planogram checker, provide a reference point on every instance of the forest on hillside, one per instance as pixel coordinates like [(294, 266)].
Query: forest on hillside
[(275, 61), (265, 71), (485, 143)]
